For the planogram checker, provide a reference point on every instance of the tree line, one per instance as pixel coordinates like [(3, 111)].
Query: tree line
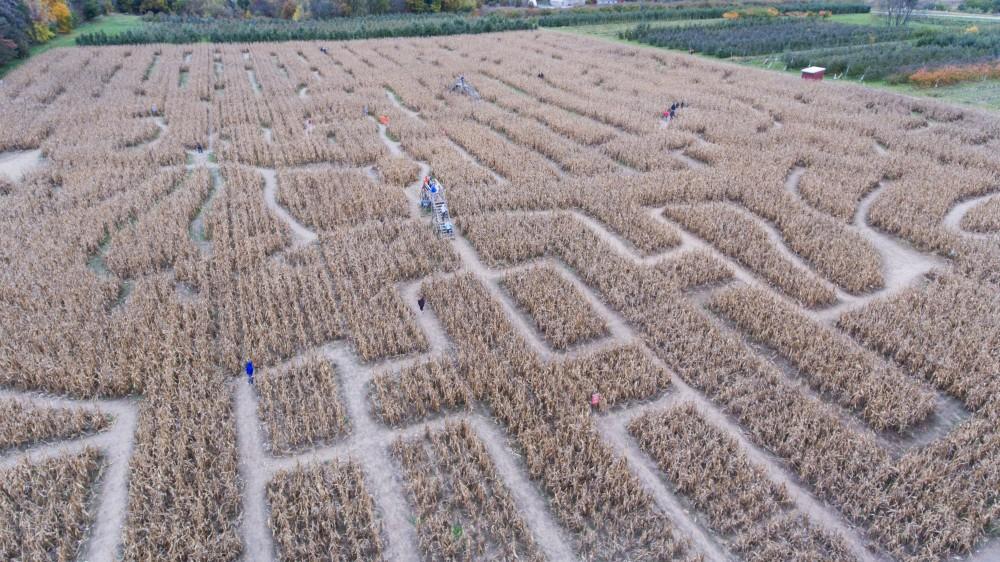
[(24, 23)]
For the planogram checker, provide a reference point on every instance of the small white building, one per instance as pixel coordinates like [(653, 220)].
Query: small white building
[(566, 3)]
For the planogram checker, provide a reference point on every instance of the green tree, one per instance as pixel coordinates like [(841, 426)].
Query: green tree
[(15, 30), (458, 5), (423, 6), (153, 6), (358, 7)]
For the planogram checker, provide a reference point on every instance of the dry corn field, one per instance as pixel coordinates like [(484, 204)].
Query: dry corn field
[(768, 329)]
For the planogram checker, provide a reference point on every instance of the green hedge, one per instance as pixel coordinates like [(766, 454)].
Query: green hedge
[(178, 29), (192, 30)]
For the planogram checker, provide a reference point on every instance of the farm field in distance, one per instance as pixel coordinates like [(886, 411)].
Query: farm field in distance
[(765, 329), (855, 48)]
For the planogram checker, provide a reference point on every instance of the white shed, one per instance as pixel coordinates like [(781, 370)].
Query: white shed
[(566, 3)]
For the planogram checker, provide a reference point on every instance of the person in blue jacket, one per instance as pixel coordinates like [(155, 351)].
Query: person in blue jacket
[(250, 371)]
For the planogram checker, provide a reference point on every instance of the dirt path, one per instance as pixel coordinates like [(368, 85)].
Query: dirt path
[(395, 101), (531, 504), (948, 411), (303, 236), (393, 146), (458, 148), (437, 339), (197, 230), (623, 246), (17, 163), (792, 182), (614, 429), (252, 77), (103, 543), (258, 543), (163, 128), (818, 511), (988, 551), (777, 240), (551, 538), (381, 476), (953, 220), (902, 265)]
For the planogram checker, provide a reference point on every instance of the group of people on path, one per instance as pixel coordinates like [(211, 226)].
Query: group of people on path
[(670, 113)]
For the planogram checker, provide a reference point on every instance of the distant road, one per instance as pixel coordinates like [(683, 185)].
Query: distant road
[(957, 15)]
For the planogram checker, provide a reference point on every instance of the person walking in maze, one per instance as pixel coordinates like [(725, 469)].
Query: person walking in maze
[(249, 370), (595, 400)]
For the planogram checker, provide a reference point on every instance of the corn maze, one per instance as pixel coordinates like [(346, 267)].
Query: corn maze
[(767, 329)]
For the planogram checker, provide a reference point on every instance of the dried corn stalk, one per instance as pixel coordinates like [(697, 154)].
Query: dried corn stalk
[(740, 502), (301, 406), (418, 392), (324, 511), (45, 507), (22, 423), (561, 313)]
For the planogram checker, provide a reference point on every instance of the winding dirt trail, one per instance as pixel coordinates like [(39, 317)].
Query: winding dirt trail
[(902, 265), (103, 543), (162, 124), (303, 236), (803, 500), (457, 147), (197, 230), (953, 220), (792, 181), (369, 442), (395, 101)]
